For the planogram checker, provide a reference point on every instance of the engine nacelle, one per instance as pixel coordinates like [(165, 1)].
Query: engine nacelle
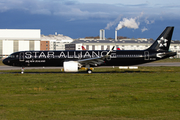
[(70, 66)]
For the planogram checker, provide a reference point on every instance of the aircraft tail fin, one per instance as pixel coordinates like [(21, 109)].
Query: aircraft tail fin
[(162, 43)]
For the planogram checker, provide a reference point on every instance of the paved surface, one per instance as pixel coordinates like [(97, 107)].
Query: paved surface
[(19, 68), (161, 64), (147, 64)]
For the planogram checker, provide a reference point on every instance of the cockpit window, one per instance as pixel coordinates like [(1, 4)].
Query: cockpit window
[(11, 56)]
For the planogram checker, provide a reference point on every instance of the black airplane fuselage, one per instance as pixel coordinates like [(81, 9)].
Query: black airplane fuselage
[(56, 58)]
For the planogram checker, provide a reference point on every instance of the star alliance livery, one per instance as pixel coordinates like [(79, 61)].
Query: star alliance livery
[(74, 60)]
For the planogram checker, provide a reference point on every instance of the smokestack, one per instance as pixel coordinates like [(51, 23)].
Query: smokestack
[(115, 35), (102, 34)]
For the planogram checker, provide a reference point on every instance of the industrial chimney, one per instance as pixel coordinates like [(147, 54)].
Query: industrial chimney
[(115, 35), (102, 34)]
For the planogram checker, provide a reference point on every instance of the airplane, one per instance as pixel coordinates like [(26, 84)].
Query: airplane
[(72, 61)]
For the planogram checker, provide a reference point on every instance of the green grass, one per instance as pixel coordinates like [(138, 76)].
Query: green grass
[(151, 93)]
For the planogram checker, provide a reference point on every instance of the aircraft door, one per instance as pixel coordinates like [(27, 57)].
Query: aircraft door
[(146, 55), (21, 56)]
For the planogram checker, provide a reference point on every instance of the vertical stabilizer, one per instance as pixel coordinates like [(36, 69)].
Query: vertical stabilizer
[(162, 43)]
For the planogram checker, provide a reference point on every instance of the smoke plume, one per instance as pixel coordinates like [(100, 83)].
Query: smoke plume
[(144, 29), (129, 23), (113, 23)]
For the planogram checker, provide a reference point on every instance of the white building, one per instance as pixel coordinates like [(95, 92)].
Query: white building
[(123, 44), (57, 42), (13, 40)]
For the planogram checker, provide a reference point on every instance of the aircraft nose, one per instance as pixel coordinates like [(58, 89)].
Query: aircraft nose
[(5, 61)]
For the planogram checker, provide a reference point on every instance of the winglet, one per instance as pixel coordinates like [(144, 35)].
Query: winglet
[(110, 51)]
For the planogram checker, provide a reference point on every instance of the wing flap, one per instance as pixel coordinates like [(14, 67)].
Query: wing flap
[(95, 61), (92, 61)]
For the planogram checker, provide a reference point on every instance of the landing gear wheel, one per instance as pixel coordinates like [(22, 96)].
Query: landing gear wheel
[(89, 71), (22, 70)]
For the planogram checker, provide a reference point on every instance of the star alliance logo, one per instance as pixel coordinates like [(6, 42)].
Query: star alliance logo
[(162, 42)]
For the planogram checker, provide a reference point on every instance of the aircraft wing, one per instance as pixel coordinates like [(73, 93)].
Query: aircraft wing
[(92, 61), (95, 61)]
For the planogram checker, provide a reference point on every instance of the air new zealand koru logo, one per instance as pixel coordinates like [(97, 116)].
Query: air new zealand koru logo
[(162, 42)]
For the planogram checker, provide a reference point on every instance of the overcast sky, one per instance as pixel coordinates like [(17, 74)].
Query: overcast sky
[(131, 2), (80, 18)]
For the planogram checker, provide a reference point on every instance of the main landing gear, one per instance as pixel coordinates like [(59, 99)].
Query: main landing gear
[(22, 70), (89, 71)]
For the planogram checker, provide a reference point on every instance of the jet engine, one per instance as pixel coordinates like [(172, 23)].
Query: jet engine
[(70, 66)]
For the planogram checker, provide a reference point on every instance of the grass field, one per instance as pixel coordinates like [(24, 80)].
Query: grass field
[(151, 93)]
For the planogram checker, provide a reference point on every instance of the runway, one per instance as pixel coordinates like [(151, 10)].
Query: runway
[(161, 64), (147, 64)]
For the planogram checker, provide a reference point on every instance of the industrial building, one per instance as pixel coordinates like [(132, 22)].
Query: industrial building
[(13, 40), (54, 42), (121, 44)]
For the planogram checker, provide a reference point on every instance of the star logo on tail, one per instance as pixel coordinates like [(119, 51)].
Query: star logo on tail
[(162, 42)]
